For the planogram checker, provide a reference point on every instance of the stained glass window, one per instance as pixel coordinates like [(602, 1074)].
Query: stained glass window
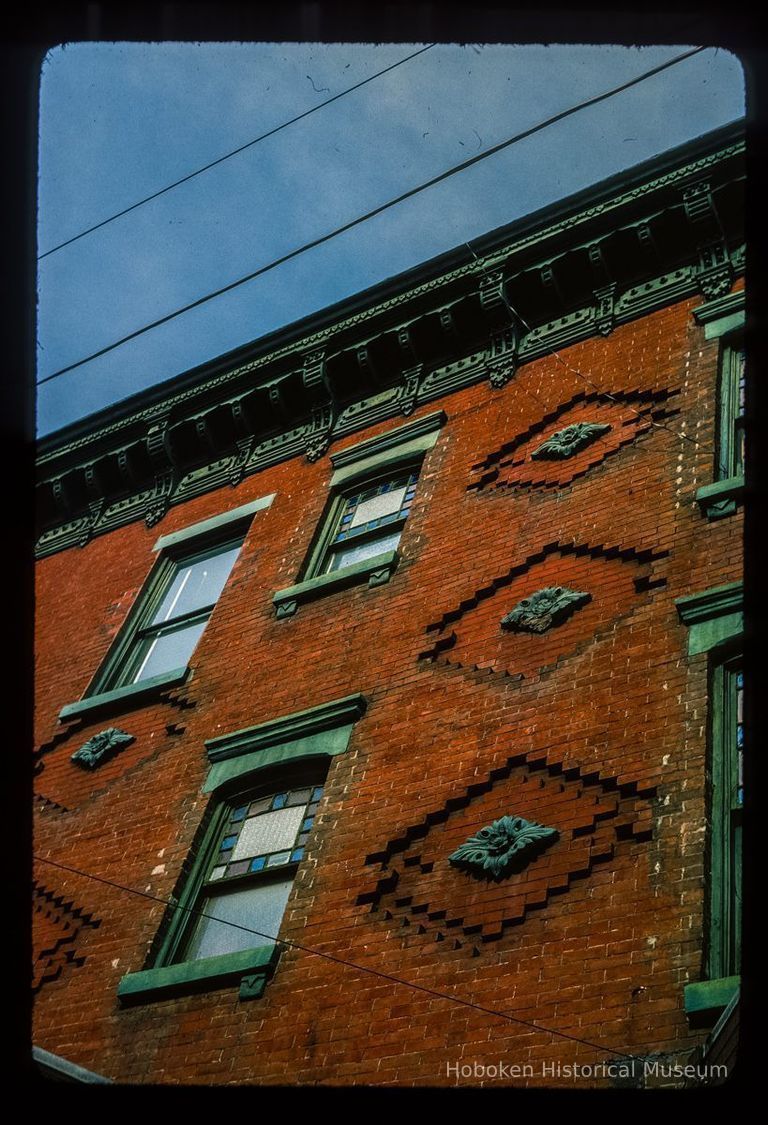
[(250, 871), (370, 521)]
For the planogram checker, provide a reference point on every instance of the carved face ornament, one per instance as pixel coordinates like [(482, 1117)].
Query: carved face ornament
[(102, 746), (547, 607), (498, 847), (564, 443)]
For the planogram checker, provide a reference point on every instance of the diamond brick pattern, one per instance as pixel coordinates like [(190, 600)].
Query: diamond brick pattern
[(57, 925), (592, 818), (617, 422)]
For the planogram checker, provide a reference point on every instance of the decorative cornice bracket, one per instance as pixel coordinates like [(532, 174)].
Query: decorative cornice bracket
[(410, 380), (599, 266), (318, 434), (493, 300), (605, 317), (502, 356), (715, 272), (314, 371)]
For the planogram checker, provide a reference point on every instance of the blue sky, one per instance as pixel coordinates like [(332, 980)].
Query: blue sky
[(119, 121)]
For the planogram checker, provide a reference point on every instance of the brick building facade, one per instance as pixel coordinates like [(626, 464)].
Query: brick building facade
[(413, 631)]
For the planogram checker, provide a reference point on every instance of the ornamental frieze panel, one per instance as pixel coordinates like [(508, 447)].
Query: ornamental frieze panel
[(576, 437), (542, 610), (476, 866)]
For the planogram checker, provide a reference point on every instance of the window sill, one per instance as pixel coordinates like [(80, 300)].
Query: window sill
[(130, 694), (710, 997), (254, 967), (720, 498), (376, 571)]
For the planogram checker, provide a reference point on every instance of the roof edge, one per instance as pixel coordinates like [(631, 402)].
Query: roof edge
[(433, 268)]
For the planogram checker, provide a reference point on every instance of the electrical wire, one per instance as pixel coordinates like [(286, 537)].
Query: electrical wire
[(234, 152), (374, 212), (340, 960)]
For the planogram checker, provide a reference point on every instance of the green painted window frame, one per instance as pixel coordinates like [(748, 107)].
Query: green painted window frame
[(107, 691), (707, 998), (732, 360), (170, 972), (365, 465), (315, 565), (715, 622), (293, 750), (726, 816), (724, 320)]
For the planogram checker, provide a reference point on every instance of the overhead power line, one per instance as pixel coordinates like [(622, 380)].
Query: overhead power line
[(234, 152), (341, 961), (375, 211)]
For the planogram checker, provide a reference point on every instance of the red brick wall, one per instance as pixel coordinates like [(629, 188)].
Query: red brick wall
[(602, 737)]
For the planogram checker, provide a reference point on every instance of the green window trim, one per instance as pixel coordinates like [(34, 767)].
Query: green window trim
[(725, 802), (376, 464), (387, 451), (247, 966), (710, 996), (714, 617), (721, 498), (731, 417), (716, 626), (141, 628), (213, 525), (297, 727), (724, 320), (721, 316), (376, 571), (292, 748), (319, 732), (130, 695)]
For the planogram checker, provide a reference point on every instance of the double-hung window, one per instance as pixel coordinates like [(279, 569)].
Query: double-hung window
[(248, 872), (171, 615), (715, 624), (373, 487), (224, 925), (723, 320), (266, 788), (155, 645), (367, 520)]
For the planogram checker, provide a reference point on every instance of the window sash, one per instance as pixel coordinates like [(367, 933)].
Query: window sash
[(148, 644), (726, 825), (122, 665), (328, 549), (369, 544), (193, 582), (181, 938), (731, 427), (253, 905)]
